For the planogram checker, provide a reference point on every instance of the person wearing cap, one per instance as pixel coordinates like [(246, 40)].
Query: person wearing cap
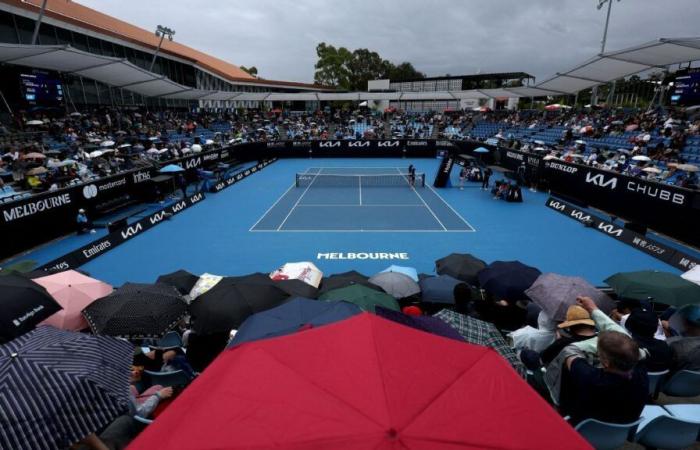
[(84, 225), (686, 347), (642, 325)]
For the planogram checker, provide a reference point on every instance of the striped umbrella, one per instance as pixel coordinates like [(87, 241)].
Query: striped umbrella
[(56, 387)]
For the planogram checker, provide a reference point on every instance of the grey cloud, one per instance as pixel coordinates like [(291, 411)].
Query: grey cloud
[(540, 37)]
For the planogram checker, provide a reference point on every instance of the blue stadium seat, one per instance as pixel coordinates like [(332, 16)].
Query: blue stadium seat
[(607, 436), (660, 429), (656, 380), (166, 379), (685, 383)]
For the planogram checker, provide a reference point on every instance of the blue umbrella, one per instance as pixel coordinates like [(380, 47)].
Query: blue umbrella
[(481, 150), (508, 280), (292, 316), (410, 271), (171, 168), (440, 289), (428, 324), (59, 386)]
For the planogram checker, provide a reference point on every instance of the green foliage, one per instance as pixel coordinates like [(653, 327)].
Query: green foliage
[(352, 70), (252, 70)]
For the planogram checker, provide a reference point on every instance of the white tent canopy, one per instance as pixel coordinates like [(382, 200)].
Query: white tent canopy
[(121, 73)]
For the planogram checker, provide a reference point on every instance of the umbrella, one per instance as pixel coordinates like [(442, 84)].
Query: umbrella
[(292, 316), (75, 114), (651, 170), (304, 271), (462, 266), (171, 168), (482, 333), (341, 280), (35, 122), (388, 386), (96, 154), (206, 282), (23, 304), (661, 287), (631, 127), (396, 284), (410, 271), (34, 155), (580, 142), (59, 386), (181, 280), (508, 280), (73, 291), (293, 288), (428, 324), (361, 296), (37, 171), (196, 148), (555, 293), (225, 306), (136, 311), (440, 289), (693, 275), (481, 150), (107, 144), (687, 167), (641, 158)]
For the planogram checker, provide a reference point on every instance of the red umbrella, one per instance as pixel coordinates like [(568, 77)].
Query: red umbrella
[(361, 383)]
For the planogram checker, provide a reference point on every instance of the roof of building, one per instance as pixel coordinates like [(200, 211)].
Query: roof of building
[(81, 16), (474, 77)]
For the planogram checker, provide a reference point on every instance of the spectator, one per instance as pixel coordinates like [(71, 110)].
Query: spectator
[(686, 347), (642, 325), (83, 223)]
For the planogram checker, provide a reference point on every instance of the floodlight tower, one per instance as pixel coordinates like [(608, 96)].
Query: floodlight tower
[(162, 32), (601, 3)]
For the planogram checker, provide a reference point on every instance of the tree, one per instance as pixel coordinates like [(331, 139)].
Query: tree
[(351, 71), (405, 71), (252, 70), (332, 66)]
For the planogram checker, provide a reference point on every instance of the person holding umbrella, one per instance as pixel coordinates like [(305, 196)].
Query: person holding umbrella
[(686, 347)]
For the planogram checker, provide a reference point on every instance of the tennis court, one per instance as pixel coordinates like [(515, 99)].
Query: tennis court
[(352, 199)]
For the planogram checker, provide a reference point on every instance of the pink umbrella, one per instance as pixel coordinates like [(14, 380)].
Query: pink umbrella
[(73, 291), (631, 127)]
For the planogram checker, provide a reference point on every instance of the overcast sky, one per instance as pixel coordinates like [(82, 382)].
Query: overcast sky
[(458, 37)]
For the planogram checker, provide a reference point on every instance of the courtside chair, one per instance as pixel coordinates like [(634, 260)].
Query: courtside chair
[(666, 431), (171, 339), (167, 379), (685, 383), (656, 380), (607, 436)]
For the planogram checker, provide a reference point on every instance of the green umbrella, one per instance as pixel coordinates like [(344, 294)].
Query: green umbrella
[(660, 287), (361, 296)]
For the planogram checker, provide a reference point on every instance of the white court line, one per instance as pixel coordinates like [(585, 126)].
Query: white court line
[(362, 231), (273, 205), (298, 200), (426, 205), (352, 204), (360, 185), (450, 206)]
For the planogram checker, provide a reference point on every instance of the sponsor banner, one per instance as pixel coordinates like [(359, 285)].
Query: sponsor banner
[(648, 245), (668, 209), (238, 176), (100, 246), (363, 255)]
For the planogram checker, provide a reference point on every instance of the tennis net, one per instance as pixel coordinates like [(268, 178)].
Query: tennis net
[(358, 180)]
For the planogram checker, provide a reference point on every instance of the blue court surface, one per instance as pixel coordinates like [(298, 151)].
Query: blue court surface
[(265, 220)]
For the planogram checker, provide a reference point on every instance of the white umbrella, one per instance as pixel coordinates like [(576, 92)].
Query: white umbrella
[(209, 142), (196, 148), (107, 144), (152, 150), (580, 142), (693, 275), (577, 156), (124, 146), (651, 170), (641, 158), (305, 271), (35, 122), (75, 114), (549, 157), (96, 154), (687, 167)]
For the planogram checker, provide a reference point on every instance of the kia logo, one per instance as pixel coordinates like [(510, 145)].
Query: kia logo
[(610, 229), (131, 231), (90, 191), (600, 181)]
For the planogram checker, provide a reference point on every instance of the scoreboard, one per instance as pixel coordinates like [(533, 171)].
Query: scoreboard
[(686, 88)]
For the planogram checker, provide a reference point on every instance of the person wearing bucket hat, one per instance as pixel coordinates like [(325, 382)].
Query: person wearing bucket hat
[(642, 325), (578, 327), (686, 347)]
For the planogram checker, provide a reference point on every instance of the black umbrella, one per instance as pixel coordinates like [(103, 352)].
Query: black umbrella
[(440, 289), (462, 266), (136, 311), (345, 279), (23, 304), (508, 280), (181, 280), (56, 387), (225, 306)]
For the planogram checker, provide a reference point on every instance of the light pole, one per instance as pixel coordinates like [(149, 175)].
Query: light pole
[(601, 3), (161, 32)]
